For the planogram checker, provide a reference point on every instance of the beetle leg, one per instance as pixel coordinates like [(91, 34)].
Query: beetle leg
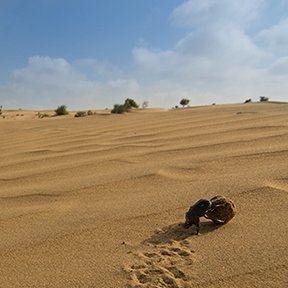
[(197, 224)]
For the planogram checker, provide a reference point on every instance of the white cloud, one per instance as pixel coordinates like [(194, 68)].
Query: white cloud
[(275, 39), (47, 82), (280, 67), (217, 60), (193, 13)]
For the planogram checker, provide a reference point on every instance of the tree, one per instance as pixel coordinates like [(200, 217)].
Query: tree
[(130, 103), (184, 102)]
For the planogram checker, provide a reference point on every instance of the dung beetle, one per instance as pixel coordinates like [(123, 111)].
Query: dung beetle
[(195, 212), (219, 209)]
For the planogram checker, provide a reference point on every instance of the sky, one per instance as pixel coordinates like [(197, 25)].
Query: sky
[(96, 53)]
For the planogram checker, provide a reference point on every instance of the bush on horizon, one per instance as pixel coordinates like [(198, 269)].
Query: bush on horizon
[(89, 113), (80, 114), (264, 99), (184, 102), (120, 109), (61, 110), (126, 107), (130, 103)]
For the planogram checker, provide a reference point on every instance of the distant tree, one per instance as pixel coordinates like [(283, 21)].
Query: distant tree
[(264, 99), (248, 100), (61, 110), (184, 102), (130, 103)]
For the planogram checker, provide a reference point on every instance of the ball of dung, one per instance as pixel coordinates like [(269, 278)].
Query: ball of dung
[(222, 210)]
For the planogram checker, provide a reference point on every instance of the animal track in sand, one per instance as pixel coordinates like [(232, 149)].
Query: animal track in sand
[(162, 266)]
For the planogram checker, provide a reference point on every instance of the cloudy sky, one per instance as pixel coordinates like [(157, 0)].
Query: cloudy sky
[(95, 53)]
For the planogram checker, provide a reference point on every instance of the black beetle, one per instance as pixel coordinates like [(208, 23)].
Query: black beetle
[(195, 212)]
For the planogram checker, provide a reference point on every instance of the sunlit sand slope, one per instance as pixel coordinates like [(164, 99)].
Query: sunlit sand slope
[(99, 201)]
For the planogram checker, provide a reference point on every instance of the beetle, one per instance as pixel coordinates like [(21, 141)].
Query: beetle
[(219, 209), (199, 209)]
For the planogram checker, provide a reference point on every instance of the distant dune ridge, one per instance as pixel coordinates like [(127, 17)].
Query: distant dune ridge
[(100, 201)]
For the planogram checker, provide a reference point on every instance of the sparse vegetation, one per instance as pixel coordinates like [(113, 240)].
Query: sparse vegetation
[(89, 113), (184, 102), (80, 114), (248, 100), (126, 107), (130, 103), (84, 113), (119, 109), (264, 99), (61, 110)]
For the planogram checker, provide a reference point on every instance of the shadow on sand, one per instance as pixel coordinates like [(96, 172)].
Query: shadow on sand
[(177, 232)]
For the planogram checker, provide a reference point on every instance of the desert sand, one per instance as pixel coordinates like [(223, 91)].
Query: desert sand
[(99, 201)]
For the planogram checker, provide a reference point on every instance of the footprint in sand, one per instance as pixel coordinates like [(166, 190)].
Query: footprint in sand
[(162, 266)]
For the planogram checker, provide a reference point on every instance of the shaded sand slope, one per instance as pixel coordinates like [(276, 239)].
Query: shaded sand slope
[(98, 201)]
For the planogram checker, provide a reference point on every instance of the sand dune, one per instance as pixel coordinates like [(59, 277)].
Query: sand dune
[(99, 201)]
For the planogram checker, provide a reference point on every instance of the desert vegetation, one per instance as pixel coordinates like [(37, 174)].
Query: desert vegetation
[(126, 107), (61, 110), (84, 113), (264, 99), (184, 102)]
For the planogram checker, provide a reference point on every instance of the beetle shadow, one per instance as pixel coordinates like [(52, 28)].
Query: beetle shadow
[(177, 232)]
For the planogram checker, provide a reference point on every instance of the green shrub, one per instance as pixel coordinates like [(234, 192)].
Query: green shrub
[(61, 110), (126, 107), (120, 109)]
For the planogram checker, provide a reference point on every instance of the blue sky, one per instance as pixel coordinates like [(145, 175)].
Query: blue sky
[(87, 54)]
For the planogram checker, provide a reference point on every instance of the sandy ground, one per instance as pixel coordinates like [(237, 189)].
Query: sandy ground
[(99, 201)]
